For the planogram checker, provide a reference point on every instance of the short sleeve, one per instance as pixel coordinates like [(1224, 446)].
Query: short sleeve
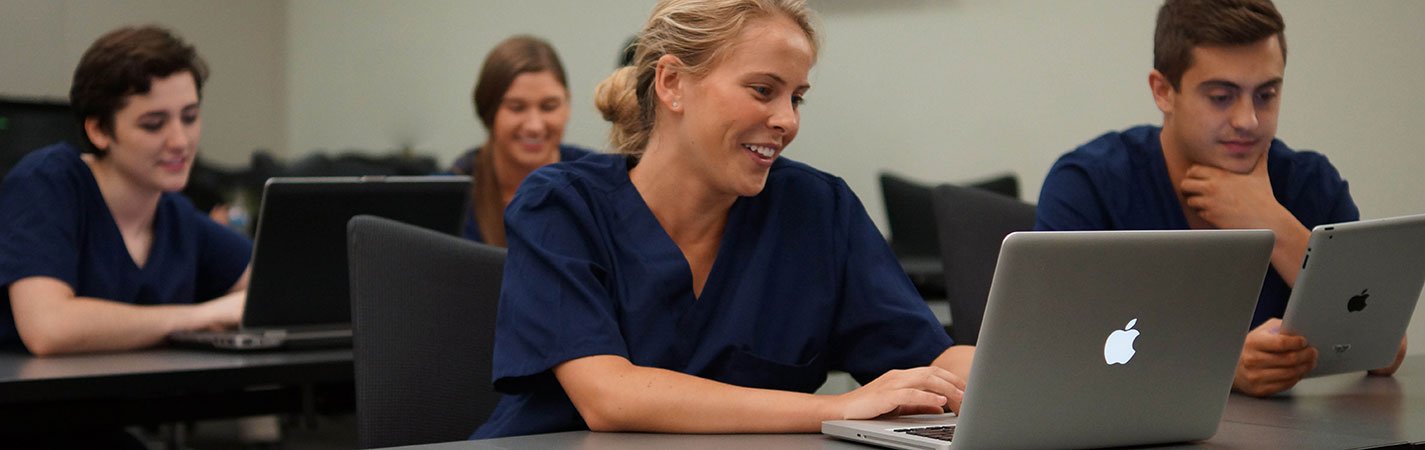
[(39, 219), (1068, 201), (223, 256), (882, 323), (554, 303)]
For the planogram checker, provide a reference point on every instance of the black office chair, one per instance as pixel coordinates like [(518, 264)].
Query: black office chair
[(971, 224), (423, 321), (911, 218)]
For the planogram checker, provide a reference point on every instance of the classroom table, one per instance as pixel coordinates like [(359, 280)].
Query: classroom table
[(168, 385), (1334, 412)]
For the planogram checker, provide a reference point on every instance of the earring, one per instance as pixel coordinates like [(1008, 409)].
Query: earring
[(675, 103)]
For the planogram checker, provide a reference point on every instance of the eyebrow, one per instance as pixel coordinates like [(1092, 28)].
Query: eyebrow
[(1210, 84), (779, 80)]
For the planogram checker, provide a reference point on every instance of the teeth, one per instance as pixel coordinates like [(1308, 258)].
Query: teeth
[(766, 152)]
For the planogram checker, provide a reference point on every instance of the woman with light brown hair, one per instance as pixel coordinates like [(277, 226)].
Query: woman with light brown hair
[(522, 99), (698, 282)]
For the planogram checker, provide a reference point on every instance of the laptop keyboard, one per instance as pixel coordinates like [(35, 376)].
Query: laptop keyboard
[(943, 433)]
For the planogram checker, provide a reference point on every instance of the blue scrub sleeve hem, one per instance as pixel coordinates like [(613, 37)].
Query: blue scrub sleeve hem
[(520, 380)]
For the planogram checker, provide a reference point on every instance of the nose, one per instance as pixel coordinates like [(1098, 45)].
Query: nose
[(177, 136), (785, 119), (1244, 115), (533, 124)]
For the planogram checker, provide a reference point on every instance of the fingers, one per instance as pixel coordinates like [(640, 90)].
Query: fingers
[(1202, 172), (1302, 360), (1272, 362), (1394, 365), (1267, 337), (913, 391)]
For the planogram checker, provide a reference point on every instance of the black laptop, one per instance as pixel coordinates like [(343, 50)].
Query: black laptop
[(299, 293)]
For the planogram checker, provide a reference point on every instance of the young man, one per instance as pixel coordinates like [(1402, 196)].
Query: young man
[(1215, 163)]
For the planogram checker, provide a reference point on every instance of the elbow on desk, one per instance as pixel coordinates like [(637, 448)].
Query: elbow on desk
[(45, 338), (44, 344), (605, 417)]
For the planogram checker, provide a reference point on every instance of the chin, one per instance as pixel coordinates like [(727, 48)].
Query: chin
[(752, 189)]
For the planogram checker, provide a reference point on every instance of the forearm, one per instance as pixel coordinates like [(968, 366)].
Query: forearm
[(957, 359), (84, 325), (626, 397), (1290, 249)]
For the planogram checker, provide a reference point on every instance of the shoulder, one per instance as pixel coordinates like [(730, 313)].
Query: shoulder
[(465, 163), (56, 166), (1298, 164), (585, 177), (1115, 151), (57, 159), (790, 178), (568, 152)]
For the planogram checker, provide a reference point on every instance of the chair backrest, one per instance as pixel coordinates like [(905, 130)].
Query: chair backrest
[(911, 217), (971, 224), (423, 321)]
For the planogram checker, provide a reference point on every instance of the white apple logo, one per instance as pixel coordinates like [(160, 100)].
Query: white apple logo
[(1119, 347)]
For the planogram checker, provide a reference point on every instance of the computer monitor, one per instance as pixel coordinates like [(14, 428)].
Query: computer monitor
[(27, 125)]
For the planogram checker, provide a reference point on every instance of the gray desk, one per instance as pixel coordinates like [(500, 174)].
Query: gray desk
[(164, 385), (1390, 408), (1230, 436), (1337, 412)]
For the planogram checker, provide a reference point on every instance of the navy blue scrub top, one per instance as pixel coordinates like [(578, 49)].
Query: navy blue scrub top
[(803, 283), (1120, 181), (54, 223), (465, 164)]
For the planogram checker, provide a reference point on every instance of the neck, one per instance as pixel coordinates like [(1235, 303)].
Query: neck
[(681, 198), (132, 206)]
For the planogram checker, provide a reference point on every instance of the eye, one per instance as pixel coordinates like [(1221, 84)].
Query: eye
[(152, 126), (762, 91), (550, 106), (798, 101), (1266, 96), (189, 118), (515, 107)]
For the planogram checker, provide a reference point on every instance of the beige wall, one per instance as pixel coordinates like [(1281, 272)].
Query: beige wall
[(936, 89), (244, 102), (940, 90)]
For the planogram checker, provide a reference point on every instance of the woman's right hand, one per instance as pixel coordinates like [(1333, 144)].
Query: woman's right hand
[(218, 314), (922, 390)]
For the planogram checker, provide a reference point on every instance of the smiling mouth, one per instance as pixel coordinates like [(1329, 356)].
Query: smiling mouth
[(763, 151), (173, 162)]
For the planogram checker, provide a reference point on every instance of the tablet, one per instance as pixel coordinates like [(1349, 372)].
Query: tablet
[(1358, 287)]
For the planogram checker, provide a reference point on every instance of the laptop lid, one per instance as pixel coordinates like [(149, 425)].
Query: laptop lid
[(299, 262), (1102, 338), (1357, 290)]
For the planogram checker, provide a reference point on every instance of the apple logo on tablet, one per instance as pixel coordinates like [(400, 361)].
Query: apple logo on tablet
[(1119, 347), (1358, 301)]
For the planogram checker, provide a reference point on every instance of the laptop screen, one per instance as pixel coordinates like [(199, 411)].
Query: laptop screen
[(299, 263)]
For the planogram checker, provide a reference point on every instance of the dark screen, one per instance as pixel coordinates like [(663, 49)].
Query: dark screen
[(299, 271), (26, 126)]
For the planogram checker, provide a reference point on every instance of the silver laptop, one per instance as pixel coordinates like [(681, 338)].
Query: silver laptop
[(298, 295), (1099, 339), (1358, 287)]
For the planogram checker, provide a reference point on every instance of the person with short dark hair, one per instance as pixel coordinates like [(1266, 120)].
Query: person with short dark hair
[(522, 99), (1217, 77), (99, 251)]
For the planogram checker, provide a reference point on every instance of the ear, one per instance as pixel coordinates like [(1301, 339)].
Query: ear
[(1163, 92), (97, 135), (669, 81)]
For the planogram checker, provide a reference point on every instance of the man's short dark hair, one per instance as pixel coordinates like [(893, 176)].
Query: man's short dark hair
[(1186, 24)]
